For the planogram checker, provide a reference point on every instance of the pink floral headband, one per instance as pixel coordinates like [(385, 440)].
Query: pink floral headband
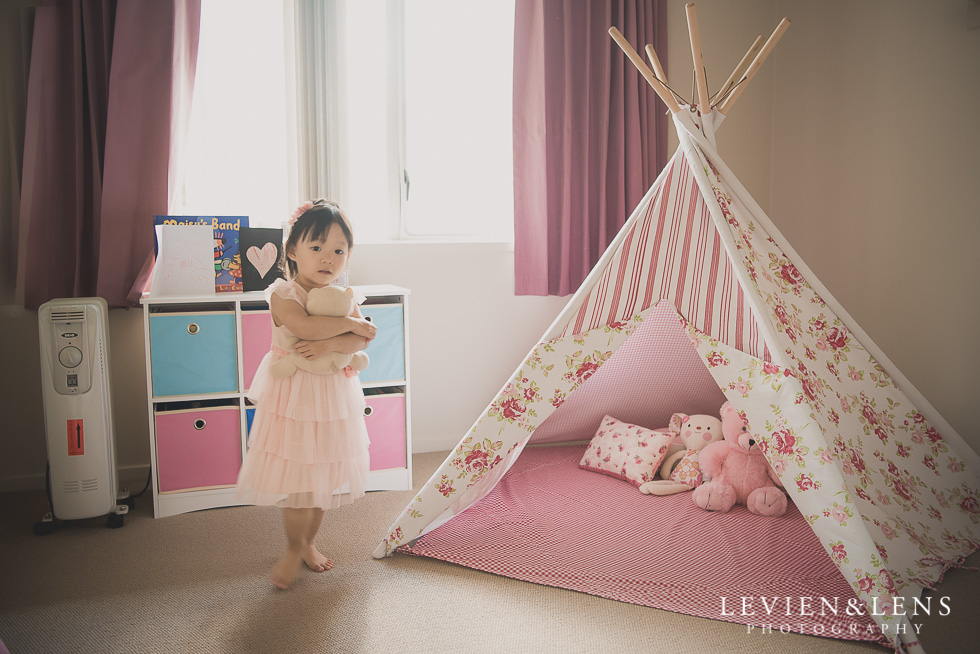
[(306, 206), (303, 208)]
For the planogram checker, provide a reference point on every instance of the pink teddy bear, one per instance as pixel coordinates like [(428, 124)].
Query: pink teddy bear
[(739, 472)]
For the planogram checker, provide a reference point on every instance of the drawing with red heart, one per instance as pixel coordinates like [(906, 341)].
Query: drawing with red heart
[(263, 259)]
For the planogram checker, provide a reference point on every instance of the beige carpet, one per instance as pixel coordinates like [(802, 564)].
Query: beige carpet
[(197, 583)]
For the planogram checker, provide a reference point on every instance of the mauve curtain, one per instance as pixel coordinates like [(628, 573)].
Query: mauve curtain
[(16, 28), (589, 134), (98, 142)]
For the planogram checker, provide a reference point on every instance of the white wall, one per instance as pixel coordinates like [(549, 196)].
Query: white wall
[(468, 331)]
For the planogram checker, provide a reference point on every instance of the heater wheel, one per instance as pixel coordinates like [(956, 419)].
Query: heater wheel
[(114, 521), (43, 528)]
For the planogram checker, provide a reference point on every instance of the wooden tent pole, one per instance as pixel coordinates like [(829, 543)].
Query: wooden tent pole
[(756, 64), (699, 75), (645, 71), (742, 65), (655, 62), (657, 68)]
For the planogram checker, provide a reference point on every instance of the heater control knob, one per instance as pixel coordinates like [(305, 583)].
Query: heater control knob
[(70, 357)]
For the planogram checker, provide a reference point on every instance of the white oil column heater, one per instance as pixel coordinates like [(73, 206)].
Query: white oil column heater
[(74, 339)]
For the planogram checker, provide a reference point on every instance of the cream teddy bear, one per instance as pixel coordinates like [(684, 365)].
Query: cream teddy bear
[(326, 301), (680, 470)]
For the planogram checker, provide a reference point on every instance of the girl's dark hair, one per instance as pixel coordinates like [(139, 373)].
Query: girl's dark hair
[(314, 224)]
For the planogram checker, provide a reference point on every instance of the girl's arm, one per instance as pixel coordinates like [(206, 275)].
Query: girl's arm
[(348, 343), (315, 328), (345, 343), (356, 313)]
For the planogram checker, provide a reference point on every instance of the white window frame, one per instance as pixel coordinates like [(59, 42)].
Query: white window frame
[(399, 182)]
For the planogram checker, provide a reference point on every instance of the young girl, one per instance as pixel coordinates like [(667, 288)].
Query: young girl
[(308, 436)]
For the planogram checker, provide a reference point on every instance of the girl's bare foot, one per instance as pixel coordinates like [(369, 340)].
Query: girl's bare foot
[(316, 561), (284, 574)]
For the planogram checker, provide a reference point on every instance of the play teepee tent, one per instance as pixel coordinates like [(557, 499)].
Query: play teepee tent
[(699, 299)]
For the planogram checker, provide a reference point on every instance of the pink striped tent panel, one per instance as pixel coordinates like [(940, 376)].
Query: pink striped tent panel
[(582, 531), (654, 374), (673, 251)]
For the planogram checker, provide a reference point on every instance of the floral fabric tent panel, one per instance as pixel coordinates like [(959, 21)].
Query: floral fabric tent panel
[(888, 487)]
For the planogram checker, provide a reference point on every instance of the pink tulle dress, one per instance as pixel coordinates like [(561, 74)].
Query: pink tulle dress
[(308, 438)]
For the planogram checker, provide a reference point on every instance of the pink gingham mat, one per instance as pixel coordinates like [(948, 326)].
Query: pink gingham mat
[(551, 523)]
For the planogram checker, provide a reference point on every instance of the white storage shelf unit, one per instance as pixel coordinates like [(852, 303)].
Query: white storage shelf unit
[(201, 355)]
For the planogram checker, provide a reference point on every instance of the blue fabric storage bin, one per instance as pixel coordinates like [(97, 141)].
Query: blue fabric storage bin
[(193, 353), (387, 350)]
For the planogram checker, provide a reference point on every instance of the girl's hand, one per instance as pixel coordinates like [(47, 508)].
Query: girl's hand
[(312, 349), (364, 328)]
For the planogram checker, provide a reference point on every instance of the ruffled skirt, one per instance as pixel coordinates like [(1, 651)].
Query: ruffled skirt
[(308, 446)]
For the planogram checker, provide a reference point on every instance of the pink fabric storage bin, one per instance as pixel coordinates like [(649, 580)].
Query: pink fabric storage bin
[(198, 448), (256, 342), (385, 419)]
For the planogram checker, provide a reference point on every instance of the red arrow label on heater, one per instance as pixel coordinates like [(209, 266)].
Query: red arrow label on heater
[(76, 438)]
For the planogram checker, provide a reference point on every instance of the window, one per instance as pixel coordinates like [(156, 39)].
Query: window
[(235, 158), (424, 117), (458, 107)]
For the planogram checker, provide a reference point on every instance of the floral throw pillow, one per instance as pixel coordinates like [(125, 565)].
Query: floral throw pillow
[(625, 451)]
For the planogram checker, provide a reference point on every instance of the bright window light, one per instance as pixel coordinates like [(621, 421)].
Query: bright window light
[(458, 107), (236, 148), (425, 118), (369, 154)]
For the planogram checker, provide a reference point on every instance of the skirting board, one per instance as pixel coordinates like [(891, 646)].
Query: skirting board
[(438, 443), (127, 475)]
